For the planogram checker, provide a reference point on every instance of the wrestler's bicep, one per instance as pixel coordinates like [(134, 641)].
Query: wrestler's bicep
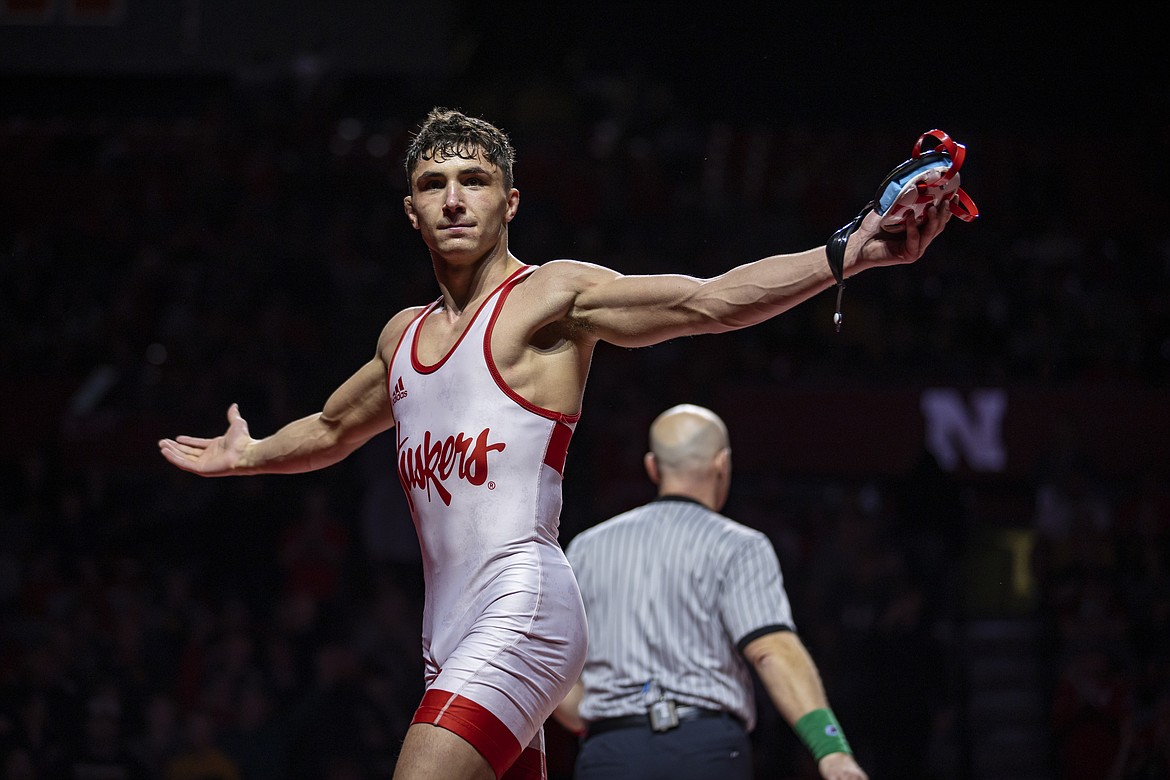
[(635, 311), (360, 408)]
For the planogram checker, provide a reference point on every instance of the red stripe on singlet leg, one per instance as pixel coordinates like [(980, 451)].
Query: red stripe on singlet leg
[(474, 723), (530, 766)]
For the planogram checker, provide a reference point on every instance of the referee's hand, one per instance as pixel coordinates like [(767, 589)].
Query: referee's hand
[(840, 766)]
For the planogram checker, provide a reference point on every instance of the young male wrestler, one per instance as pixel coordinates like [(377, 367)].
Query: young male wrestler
[(484, 386)]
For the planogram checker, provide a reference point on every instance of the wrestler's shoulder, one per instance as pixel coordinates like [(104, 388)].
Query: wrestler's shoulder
[(397, 324), (405, 317), (569, 273)]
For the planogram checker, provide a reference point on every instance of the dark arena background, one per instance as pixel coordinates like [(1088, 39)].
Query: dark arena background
[(968, 486)]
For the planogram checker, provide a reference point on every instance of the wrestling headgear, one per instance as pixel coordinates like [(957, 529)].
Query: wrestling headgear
[(927, 178)]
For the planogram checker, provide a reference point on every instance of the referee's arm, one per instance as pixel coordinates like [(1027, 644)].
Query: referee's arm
[(794, 685), (567, 712)]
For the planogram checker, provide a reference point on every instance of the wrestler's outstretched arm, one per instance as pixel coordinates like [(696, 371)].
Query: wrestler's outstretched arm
[(635, 311), (353, 414)]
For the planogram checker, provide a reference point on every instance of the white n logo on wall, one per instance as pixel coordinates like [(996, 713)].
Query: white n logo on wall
[(971, 430)]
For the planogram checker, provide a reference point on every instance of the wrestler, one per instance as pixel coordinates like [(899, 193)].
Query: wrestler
[(485, 387)]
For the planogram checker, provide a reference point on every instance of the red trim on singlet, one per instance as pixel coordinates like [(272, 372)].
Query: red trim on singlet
[(558, 447), (419, 366), (398, 346), (530, 766), (474, 723), (495, 372)]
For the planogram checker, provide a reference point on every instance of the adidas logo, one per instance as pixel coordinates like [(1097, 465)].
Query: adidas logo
[(399, 392)]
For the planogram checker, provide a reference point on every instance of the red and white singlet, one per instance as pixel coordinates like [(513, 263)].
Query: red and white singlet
[(504, 632)]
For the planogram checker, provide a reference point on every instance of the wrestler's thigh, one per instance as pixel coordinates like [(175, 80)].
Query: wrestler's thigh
[(429, 752)]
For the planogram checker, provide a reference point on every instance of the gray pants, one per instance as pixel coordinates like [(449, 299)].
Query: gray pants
[(696, 750)]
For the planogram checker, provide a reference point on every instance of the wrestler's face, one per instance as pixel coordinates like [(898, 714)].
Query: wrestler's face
[(460, 206)]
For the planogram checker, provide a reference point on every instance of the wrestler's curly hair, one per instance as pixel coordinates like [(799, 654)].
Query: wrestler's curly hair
[(450, 133)]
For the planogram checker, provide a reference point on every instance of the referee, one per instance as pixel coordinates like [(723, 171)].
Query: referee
[(678, 598)]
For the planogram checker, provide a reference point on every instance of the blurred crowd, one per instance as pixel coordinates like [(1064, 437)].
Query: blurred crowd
[(166, 254)]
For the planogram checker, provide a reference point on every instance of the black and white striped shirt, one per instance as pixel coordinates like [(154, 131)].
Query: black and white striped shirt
[(673, 592)]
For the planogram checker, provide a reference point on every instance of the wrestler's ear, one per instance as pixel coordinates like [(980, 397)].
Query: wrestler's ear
[(408, 206), (513, 205), (651, 467)]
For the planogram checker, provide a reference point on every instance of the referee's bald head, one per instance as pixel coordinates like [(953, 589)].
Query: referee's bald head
[(687, 437)]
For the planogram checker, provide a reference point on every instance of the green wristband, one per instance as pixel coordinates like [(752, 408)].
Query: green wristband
[(821, 733)]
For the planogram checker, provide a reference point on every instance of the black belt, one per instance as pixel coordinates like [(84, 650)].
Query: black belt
[(685, 712)]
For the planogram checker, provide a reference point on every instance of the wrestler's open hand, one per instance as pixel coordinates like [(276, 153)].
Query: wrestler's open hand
[(840, 766), (870, 246), (210, 457)]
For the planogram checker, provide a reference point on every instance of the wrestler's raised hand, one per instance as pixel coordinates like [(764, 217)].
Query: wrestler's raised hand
[(911, 207), (877, 247), (210, 457)]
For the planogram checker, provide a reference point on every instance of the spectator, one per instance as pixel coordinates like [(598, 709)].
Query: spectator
[(200, 757)]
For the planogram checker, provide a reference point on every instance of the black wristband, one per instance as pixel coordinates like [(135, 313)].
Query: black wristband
[(835, 248), (835, 252)]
